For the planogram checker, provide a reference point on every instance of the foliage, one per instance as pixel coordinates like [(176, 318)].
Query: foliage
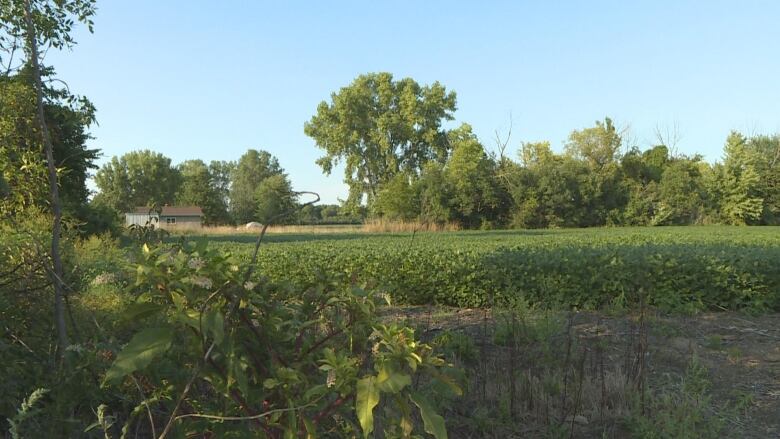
[(199, 187), (138, 178), (21, 159), (476, 194), (398, 200), (25, 412), (274, 197), (261, 357), (679, 268), (683, 409), (251, 170), (378, 127)]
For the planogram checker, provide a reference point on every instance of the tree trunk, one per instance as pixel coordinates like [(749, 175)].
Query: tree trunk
[(56, 206)]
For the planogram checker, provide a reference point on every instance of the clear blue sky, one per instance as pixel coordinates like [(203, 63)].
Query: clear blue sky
[(208, 80)]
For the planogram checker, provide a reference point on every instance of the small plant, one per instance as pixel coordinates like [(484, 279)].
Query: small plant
[(26, 412), (458, 344), (714, 342), (682, 409)]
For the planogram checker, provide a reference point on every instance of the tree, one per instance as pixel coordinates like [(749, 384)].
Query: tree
[(680, 193), (598, 146), (252, 168), (743, 201), (547, 191), (435, 195), (274, 197), (472, 176), (21, 154), (43, 24), (68, 118), (398, 199), (198, 188), (138, 178), (379, 127), (221, 173)]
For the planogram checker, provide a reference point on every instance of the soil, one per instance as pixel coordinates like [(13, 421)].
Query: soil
[(741, 354)]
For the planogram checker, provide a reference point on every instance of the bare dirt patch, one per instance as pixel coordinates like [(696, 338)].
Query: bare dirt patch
[(584, 374)]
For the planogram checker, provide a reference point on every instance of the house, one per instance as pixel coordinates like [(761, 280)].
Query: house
[(167, 217)]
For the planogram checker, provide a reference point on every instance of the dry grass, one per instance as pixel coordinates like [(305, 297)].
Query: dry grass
[(372, 226), (384, 226), (241, 230)]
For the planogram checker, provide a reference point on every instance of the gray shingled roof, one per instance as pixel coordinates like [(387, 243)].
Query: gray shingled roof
[(173, 210)]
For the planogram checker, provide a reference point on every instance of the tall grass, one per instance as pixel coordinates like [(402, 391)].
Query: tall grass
[(291, 228), (385, 226)]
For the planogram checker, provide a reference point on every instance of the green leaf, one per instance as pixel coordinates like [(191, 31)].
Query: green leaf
[(366, 399), (214, 323), (142, 349), (311, 429), (433, 423), (140, 310), (391, 381)]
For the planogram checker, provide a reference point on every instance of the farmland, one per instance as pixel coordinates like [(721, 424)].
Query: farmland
[(674, 268)]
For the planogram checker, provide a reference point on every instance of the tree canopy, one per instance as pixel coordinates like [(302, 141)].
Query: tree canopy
[(378, 127), (138, 178)]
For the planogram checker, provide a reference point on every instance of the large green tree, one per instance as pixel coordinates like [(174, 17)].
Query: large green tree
[(221, 173), (37, 26), (680, 193), (378, 127), (398, 199), (138, 178), (749, 179), (68, 118), (200, 188), (274, 197), (476, 194), (251, 170)]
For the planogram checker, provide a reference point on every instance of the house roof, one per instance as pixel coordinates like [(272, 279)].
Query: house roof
[(173, 210)]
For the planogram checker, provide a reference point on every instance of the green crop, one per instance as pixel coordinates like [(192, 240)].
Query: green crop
[(686, 268)]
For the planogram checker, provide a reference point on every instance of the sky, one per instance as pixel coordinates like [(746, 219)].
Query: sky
[(209, 80)]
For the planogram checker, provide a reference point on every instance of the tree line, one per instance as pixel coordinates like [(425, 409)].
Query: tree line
[(402, 164), (253, 188)]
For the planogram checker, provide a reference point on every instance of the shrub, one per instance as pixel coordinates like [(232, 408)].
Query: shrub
[(236, 354)]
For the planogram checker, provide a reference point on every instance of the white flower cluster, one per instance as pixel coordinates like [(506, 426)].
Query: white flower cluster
[(104, 279), (196, 263), (201, 281), (331, 380)]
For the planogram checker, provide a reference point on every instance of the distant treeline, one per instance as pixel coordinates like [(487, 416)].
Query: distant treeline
[(401, 164), (254, 188)]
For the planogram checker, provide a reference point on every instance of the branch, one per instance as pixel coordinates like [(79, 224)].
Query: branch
[(244, 418), (146, 404)]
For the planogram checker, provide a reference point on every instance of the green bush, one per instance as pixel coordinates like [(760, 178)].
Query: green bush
[(249, 357)]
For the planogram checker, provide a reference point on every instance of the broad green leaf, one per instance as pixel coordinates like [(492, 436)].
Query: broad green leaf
[(142, 349), (140, 310), (433, 422), (366, 399), (392, 381), (214, 323)]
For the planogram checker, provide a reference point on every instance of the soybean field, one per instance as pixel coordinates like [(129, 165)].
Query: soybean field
[(672, 268)]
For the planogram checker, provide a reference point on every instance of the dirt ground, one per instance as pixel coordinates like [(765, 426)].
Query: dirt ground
[(740, 355)]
